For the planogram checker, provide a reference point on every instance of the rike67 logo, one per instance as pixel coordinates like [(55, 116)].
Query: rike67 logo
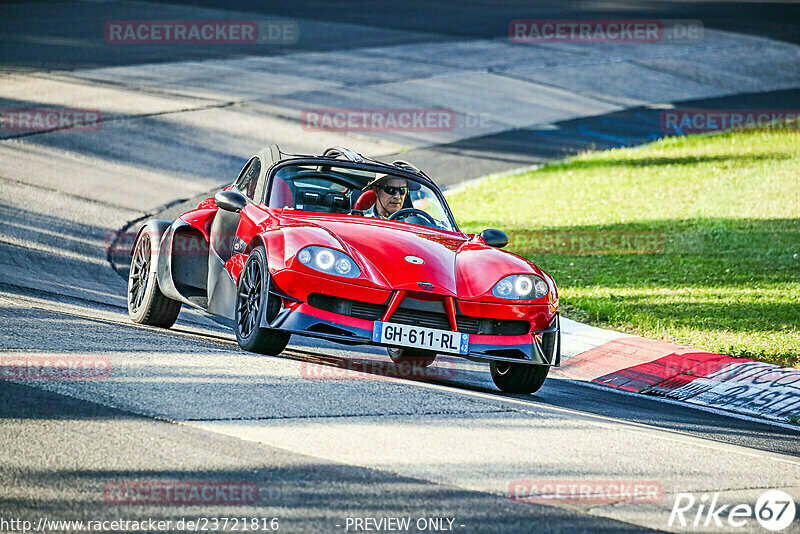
[(774, 511)]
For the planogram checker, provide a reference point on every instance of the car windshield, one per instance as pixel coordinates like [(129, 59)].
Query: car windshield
[(335, 189)]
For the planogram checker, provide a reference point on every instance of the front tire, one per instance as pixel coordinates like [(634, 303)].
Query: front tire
[(413, 356), (518, 377), (250, 298), (146, 303)]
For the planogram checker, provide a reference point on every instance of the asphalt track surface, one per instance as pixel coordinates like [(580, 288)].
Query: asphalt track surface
[(188, 405), (72, 41)]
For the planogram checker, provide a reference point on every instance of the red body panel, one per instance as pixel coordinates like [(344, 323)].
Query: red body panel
[(300, 285), (201, 219), (235, 265), (480, 267), (383, 244), (457, 264), (460, 266)]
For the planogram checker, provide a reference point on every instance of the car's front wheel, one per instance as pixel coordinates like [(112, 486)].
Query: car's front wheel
[(518, 377), (250, 299), (146, 303), (413, 356)]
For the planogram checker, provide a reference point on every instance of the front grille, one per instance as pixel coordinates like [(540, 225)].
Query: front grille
[(470, 325), (351, 308), (420, 318), (419, 313), (366, 310)]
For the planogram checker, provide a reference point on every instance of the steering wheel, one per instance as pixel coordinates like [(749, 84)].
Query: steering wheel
[(405, 212)]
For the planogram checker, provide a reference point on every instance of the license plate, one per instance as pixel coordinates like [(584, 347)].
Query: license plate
[(420, 337)]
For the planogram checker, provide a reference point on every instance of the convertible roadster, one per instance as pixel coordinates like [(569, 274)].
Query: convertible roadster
[(295, 246)]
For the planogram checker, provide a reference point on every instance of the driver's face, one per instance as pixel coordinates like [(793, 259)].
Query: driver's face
[(389, 204)]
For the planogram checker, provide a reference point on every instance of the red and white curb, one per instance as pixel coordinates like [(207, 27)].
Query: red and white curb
[(639, 365)]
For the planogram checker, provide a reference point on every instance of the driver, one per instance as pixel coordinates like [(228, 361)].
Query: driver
[(390, 192)]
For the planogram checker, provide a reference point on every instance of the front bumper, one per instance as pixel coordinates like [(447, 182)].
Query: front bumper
[(304, 319)]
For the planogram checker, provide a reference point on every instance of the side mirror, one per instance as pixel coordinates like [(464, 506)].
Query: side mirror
[(495, 238), (230, 201)]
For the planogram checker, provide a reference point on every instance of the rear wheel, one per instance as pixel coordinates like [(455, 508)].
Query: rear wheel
[(146, 303), (250, 298), (518, 377), (413, 356)]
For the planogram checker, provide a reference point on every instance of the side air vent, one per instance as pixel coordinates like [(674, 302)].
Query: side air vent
[(507, 353), (323, 328)]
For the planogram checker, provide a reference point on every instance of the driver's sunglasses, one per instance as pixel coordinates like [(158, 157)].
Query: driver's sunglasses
[(392, 190)]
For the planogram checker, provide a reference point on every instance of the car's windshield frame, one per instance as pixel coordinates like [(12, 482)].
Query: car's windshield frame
[(366, 166)]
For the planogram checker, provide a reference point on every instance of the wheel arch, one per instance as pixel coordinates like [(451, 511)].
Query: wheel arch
[(159, 227), (258, 240), (152, 307), (274, 246), (165, 272)]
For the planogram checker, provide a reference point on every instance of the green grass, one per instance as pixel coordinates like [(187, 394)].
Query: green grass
[(721, 271)]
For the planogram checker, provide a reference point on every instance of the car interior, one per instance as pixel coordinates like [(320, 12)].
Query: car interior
[(323, 192), (325, 189)]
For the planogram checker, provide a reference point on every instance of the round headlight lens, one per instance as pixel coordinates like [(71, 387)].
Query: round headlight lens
[(325, 259), (329, 261), (504, 287), (343, 266), (541, 287), (523, 286)]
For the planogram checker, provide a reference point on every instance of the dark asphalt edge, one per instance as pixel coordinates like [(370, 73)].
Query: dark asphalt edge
[(747, 24)]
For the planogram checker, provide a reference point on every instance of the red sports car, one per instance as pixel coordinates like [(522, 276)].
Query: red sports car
[(310, 245)]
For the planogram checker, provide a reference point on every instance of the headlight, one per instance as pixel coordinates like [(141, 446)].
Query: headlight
[(329, 261), (520, 287)]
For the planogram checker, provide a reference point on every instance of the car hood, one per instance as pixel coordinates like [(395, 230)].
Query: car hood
[(456, 264)]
